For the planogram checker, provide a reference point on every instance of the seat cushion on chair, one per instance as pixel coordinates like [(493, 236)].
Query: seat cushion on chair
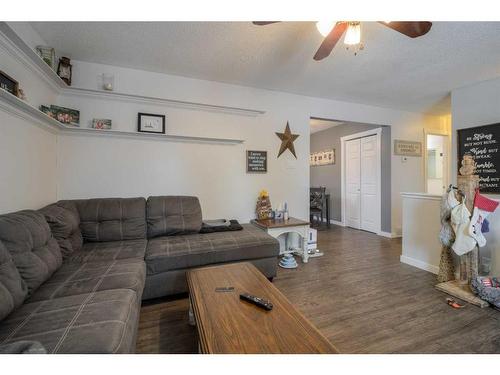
[(113, 250), (64, 222), (35, 252), (112, 219), (98, 322), (13, 290), (81, 278), (173, 215), (194, 250)]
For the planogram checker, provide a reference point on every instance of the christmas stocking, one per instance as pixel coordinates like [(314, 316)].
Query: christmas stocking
[(482, 208)]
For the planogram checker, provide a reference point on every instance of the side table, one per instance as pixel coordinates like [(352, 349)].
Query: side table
[(278, 227)]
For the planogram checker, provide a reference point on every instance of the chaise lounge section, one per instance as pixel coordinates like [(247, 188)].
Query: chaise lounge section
[(73, 274)]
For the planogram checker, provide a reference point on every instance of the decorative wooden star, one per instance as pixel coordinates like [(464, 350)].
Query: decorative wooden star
[(287, 139)]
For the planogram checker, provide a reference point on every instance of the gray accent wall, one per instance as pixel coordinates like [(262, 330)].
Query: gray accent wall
[(330, 175)]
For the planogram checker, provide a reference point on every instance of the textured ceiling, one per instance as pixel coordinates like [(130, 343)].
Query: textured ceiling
[(392, 71), (317, 125)]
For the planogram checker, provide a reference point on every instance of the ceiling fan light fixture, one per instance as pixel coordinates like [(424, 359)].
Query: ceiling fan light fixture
[(353, 34), (324, 27)]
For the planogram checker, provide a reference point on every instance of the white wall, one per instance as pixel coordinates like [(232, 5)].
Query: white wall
[(421, 225), (90, 166), (28, 154), (477, 105)]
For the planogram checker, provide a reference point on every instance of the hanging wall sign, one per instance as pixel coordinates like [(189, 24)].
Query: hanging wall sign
[(256, 161), (483, 143), (407, 148)]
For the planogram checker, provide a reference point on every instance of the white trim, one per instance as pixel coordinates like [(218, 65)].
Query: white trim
[(419, 264), (425, 196), (334, 222), (377, 132), (388, 234)]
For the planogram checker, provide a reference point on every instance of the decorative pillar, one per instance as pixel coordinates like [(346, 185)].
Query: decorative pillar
[(467, 183)]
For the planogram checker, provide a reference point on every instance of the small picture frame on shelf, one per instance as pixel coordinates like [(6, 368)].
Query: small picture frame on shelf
[(151, 123), (47, 54), (101, 124), (66, 116), (9, 84)]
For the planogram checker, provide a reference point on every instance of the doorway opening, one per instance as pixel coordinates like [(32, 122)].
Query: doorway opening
[(436, 163), (328, 170)]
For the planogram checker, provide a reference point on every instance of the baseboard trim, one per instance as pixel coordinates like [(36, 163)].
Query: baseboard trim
[(419, 264), (335, 222), (385, 234)]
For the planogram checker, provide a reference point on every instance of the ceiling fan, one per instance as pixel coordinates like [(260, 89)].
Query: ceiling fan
[(333, 31)]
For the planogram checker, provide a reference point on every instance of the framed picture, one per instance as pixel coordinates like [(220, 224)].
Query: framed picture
[(256, 161), (9, 84), (65, 115), (48, 54), (101, 123), (322, 158), (150, 123)]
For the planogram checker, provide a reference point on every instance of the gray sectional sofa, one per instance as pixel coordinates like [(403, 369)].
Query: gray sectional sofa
[(73, 274)]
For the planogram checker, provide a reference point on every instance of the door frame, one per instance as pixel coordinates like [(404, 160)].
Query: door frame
[(447, 146), (378, 133)]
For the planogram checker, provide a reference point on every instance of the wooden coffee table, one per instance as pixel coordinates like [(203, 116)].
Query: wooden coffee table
[(228, 325)]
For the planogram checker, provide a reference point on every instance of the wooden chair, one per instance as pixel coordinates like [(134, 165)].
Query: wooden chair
[(317, 205)]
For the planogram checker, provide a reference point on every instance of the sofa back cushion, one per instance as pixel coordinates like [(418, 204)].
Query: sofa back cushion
[(34, 250), (64, 222), (172, 215), (13, 290), (112, 219)]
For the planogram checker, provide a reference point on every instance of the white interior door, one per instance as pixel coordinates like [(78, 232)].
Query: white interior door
[(369, 184), (353, 183)]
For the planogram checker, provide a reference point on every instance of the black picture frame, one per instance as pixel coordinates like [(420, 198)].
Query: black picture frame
[(9, 84), (139, 125), (259, 165)]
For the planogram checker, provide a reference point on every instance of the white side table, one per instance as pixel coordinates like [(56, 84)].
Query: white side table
[(276, 228)]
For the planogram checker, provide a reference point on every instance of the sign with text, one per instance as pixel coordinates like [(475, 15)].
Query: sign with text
[(407, 148), (256, 161), (483, 143)]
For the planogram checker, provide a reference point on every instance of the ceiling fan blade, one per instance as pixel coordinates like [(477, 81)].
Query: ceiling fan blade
[(264, 23), (330, 41), (411, 29)]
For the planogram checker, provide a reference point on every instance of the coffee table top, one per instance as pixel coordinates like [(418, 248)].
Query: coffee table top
[(227, 325), (280, 223)]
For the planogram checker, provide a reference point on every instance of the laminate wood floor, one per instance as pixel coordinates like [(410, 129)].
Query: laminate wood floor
[(360, 297)]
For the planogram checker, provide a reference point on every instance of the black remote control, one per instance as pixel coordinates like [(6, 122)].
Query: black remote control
[(262, 303)]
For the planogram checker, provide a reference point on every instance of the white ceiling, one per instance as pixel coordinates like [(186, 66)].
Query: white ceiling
[(317, 125), (392, 71)]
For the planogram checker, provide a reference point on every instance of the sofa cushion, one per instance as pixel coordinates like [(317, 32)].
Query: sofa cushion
[(194, 250), (35, 252), (98, 322), (112, 219), (13, 290), (113, 250), (64, 222), (172, 215), (75, 278)]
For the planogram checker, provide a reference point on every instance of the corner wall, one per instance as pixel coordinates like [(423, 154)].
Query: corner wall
[(28, 153)]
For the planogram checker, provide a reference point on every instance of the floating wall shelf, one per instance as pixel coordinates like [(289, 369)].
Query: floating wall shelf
[(112, 95), (20, 108), (10, 41)]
